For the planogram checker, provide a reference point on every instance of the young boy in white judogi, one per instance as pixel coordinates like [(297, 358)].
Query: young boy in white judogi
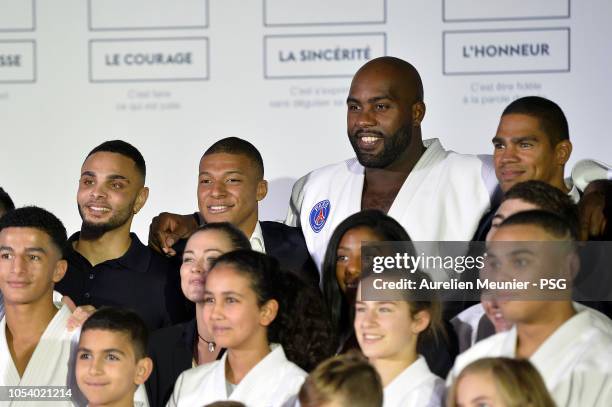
[(35, 346)]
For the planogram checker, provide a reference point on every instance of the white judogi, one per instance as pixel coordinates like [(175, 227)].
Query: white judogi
[(271, 383), (415, 387), (50, 363), (443, 198), (575, 361)]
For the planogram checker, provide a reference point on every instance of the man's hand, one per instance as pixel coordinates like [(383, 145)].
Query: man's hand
[(168, 228), (79, 314), (591, 209)]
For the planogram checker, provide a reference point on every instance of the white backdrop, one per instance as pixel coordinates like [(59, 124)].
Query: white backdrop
[(74, 73)]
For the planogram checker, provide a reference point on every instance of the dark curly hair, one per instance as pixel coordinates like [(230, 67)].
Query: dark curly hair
[(37, 218), (548, 198), (125, 149), (6, 203), (301, 325)]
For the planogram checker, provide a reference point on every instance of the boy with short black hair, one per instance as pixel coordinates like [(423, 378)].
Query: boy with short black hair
[(35, 346), (111, 363)]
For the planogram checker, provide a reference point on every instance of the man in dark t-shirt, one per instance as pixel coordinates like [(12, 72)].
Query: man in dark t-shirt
[(108, 265)]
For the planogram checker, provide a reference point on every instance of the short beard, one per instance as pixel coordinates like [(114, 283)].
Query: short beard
[(393, 147), (93, 231)]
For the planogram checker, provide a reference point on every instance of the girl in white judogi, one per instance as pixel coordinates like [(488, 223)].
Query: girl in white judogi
[(249, 304), (388, 333)]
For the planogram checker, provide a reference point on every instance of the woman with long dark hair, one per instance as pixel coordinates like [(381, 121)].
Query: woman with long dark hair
[(341, 273), (342, 266)]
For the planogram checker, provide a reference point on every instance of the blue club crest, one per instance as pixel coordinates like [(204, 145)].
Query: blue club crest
[(318, 215)]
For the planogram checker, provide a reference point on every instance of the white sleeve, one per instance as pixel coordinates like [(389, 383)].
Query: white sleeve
[(584, 388), (489, 179), (295, 203), (176, 393), (586, 171)]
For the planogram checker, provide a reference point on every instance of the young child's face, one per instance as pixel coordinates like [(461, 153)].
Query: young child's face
[(107, 371)]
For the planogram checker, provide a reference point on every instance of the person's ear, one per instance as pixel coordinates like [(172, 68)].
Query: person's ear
[(268, 312), (141, 199), (563, 150), (262, 189), (418, 113), (60, 270), (420, 322), (144, 367), (573, 265)]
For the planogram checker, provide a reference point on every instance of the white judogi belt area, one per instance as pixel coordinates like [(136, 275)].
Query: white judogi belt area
[(271, 383), (443, 198), (575, 361)]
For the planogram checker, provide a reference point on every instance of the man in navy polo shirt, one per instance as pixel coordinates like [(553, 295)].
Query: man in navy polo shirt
[(108, 265)]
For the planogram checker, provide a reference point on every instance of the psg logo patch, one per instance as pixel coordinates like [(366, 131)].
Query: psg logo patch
[(318, 215)]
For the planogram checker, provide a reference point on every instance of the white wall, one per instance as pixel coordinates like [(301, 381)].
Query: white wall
[(68, 94)]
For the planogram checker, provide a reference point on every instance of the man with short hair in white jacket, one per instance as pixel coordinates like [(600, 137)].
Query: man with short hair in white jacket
[(569, 344)]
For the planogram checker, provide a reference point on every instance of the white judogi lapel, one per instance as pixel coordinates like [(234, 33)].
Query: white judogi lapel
[(272, 382), (50, 363), (343, 191), (443, 198), (416, 386), (575, 361)]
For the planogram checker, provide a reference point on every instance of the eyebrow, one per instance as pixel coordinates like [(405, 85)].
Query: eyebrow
[(225, 293), (374, 99), (205, 251), (111, 177), (235, 171), (119, 177), (232, 293), (28, 249), (522, 251), (110, 350), (377, 302), (479, 398), (515, 139)]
